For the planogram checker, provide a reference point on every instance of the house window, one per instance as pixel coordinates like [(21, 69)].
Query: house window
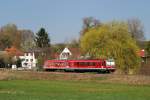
[(26, 60), (25, 64), (23, 59), (31, 60)]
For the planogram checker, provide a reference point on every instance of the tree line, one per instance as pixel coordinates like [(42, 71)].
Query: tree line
[(15, 40), (10, 36), (120, 40)]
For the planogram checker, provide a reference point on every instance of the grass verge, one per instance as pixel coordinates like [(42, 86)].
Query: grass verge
[(72, 86)]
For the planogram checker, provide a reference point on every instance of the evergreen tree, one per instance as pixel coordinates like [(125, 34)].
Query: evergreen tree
[(42, 40)]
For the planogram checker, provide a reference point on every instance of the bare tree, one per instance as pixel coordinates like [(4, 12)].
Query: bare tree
[(89, 22), (27, 39), (136, 29), (9, 36)]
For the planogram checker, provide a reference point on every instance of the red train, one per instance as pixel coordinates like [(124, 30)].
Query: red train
[(80, 65)]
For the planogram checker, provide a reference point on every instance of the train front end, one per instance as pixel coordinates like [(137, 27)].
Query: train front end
[(110, 65)]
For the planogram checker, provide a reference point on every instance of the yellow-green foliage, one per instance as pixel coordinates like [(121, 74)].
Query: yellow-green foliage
[(112, 40)]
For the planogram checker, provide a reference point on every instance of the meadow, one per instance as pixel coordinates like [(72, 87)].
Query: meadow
[(72, 86)]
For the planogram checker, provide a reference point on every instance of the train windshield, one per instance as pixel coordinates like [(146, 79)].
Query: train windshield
[(110, 62)]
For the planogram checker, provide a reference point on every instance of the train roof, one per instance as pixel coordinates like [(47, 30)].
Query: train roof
[(89, 60), (80, 60)]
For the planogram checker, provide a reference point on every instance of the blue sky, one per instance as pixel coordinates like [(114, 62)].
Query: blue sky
[(63, 18)]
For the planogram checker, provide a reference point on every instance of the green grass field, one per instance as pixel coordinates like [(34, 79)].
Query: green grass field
[(37, 89)]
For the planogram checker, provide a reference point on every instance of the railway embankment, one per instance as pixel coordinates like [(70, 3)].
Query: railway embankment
[(72, 76)]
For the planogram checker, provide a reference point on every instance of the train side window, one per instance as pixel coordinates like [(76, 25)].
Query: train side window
[(100, 63), (77, 63), (62, 64), (81, 63), (103, 63), (92, 64), (66, 63), (52, 64), (86, 64), (71, 63), (56, 64)]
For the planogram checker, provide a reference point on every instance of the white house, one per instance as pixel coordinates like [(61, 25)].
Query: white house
[(28, 60), (65, 54)]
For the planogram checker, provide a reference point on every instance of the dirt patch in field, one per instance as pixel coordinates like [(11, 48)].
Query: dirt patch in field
[(69, 76), (4, 75)]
